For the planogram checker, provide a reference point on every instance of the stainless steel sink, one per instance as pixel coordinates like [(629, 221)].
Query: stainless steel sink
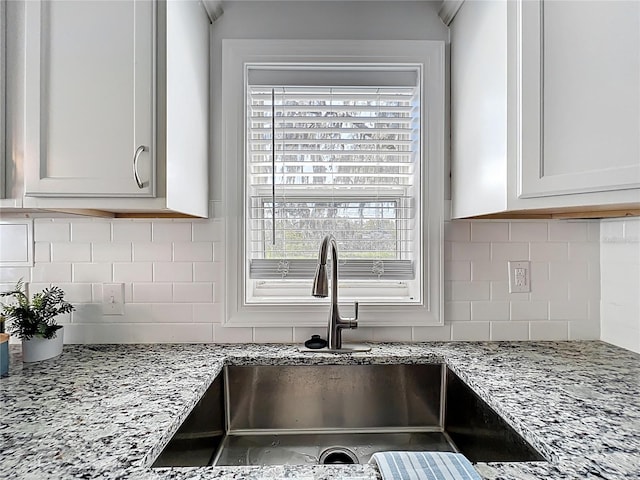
[(276, 415)]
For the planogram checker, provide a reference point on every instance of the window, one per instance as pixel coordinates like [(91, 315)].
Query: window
[(330, 137), (333, 159)]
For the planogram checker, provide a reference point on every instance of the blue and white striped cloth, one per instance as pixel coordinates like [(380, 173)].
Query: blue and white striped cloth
[(424, 466)]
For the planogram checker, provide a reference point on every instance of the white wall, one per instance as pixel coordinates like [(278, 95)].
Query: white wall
[(173, 273), (620, 282)]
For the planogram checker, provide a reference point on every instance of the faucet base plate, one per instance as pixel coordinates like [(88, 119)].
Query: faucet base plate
[(346, 348)]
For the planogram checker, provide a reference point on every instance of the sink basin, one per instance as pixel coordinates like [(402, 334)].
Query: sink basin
[(325, 414)]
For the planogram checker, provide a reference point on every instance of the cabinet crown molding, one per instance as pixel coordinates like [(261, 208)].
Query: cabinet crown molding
[(448, 10)]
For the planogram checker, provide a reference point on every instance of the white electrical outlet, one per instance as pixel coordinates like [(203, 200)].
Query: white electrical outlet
[(519, 277), (113, 299)]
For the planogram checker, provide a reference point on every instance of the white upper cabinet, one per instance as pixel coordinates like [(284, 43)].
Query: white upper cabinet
[(89, 111), (545, 107), (116, 106)]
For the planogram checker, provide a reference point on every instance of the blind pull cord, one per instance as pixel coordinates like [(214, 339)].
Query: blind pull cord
[(273, 166)]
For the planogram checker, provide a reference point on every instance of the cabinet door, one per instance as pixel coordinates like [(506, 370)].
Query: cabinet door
[(580, 104), (90, 98)]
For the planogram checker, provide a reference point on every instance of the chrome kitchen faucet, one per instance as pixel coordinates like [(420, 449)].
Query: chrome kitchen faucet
[(320, 289)]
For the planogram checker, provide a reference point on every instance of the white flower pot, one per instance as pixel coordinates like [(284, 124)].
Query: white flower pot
[(38, 348)]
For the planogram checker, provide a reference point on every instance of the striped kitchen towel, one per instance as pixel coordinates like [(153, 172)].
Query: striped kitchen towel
[(424, 466)]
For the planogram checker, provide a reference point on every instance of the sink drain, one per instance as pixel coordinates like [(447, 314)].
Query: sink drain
[(338, 455)]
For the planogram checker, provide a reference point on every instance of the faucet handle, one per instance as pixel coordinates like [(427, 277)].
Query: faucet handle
[(353, 322)]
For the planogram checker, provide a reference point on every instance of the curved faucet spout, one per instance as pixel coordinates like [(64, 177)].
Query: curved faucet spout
[(320, 289)]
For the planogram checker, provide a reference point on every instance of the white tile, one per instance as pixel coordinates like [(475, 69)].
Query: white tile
[(76, 292), (140, 333), (193, 252), (13, 274), (489, 231), (223, 334), (272, 335), (470, 291), (584, 252), (529, 232), (132, 272), (91, 232), (360, 334), (389, 334), (87, 313), (539, 271), (193, 292), (208, 231), (470, 331), (152, 252), (172, 272), (131, 232), (632, 230), (173, 313), (549, 252), (46, 231), (489, 311), (171, 231), (111, 252), (568, 310), (32, 287), (502, 331), (566, 271), (92, 272), (568, 231), (544, 290), (612, 230), (593, 231), (448, 251), (42, 252), (470, 251), (500, 291), (152, 292), (457, 311), (457, 271), (457, 231), (504, 252), (584, 330), (482, 271), (208, 272), (548, 331), (208, 312), (432, 334), (71, 252), (51, 272), (532, 311)]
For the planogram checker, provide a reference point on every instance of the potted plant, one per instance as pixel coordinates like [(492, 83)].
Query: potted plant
[(34, 321)]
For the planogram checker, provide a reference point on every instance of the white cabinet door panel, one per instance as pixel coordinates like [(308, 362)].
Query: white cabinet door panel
[(581, 97), (90, 98)]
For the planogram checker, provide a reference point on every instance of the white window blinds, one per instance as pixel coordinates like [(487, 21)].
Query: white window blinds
[(333, 159)]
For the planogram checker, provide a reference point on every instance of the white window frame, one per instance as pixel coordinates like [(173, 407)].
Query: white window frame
[(238, 53)]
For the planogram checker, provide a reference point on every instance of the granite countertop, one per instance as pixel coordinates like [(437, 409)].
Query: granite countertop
[(106, 411)]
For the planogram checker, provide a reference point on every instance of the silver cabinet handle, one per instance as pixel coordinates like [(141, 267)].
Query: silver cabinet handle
[(136, 177)]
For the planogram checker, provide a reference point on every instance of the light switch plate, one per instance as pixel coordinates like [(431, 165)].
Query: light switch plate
[(520, 277), (113, 299)]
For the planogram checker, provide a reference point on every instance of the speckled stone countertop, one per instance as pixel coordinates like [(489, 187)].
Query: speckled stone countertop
[(106, 411)]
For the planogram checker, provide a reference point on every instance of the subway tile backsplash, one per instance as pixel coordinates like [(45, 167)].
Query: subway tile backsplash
[(173, 272)]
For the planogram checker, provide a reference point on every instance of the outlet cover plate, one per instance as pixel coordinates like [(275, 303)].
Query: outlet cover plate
[(519, 276), (113, 299)]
